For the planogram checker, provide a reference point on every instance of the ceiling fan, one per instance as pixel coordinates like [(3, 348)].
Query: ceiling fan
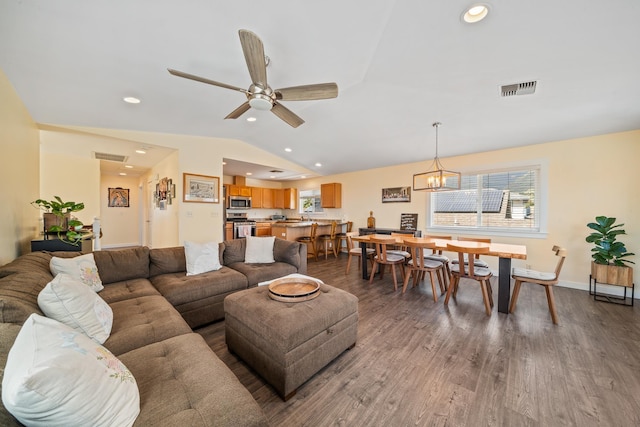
[(260, 95)]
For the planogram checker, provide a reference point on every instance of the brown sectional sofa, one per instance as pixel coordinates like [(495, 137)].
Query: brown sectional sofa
[(155, 306)]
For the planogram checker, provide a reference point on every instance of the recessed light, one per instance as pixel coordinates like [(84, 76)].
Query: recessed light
[(128, 166), (475, 13), (131, 100), (288, 150), (249, 173), (141, 152), (251, 119), (122, 174), (224, 163), (319, 165), (303, 176), (272, 176)]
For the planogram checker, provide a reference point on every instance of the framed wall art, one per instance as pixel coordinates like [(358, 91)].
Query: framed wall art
[(396, 194), (201, 188), (118, 197)]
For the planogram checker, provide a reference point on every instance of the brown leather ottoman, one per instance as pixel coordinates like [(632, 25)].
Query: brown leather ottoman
[(285, 342)]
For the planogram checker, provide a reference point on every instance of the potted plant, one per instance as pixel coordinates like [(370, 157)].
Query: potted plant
[(57, 219), (609, 263)]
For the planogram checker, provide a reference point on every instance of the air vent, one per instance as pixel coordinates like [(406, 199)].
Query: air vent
[(276, 171), (110, 157), (525, 88)]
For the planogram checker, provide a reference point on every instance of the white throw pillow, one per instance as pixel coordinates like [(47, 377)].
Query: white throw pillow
[(259, 250), (56, 376), (72, 302), (201, 257), (81, 268)]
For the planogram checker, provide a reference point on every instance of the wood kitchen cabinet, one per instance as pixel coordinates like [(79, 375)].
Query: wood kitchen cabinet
[(256, 197), (267, 198), (235, 190), (228, 231), (290, 198), (263, 229), (278, 198), (331, 195)]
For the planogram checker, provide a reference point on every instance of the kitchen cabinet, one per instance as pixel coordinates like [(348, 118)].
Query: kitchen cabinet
[(235, 190), (267, 198), (228, 231), (256, 197), (331, 195), (290, 198), (278, 198), (263, 229)]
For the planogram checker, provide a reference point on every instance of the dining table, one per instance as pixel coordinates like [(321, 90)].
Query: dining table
[(504, 251)]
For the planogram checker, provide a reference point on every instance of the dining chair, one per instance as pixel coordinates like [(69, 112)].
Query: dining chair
[(400, 249), (476, 259), (419, 265), (343, 236), (328, 241), (521, 275), (436, 255), (465, 269), (311, 241), (382, 258), (355, 251)]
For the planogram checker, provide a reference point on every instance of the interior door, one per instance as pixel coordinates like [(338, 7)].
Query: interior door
[(148, 214)]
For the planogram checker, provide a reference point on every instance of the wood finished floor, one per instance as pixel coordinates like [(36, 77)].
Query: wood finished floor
[(418, 363)]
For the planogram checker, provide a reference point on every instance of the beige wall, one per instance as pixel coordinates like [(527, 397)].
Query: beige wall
[(587, 177), (120, 226), (165, 224), (19, 174)]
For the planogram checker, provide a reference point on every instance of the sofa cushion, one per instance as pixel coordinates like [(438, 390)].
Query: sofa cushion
[(82, 268), (52, 371), (34, 262), (123, 264), (128, 289), (72, 302), (205, 394), (259, 250), (19, 295), (233, 251), (286, 251), (178, 288), (167, 260), (257, 273), (201, 257), (141, 321)]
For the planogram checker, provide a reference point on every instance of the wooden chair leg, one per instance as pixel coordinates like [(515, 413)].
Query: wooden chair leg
[(450, 290), (442, 281), (395, 279), (485, 297), (406, 281), (433, 286), (349, 264), (514, 296), (489, 292), (552, 304), (373, 271)]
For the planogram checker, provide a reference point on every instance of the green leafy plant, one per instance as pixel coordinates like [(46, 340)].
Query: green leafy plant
[(607, 250), (59, 208), (307, 204)]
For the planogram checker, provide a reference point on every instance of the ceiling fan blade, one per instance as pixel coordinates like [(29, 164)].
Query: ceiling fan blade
[(308, 92), (254, 55), (239, 111), (287, 115), (203, 80)]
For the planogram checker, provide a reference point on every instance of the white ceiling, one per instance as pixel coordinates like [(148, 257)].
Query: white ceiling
[(399, 65)]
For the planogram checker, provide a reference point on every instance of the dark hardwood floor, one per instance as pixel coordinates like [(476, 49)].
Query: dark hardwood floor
[(419, 363)]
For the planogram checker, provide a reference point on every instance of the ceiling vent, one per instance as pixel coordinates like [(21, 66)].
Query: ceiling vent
[(525, 88), (110, 157), (276, 171)]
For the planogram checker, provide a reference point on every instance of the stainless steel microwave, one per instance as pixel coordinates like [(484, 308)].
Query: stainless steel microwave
[(238, 202)]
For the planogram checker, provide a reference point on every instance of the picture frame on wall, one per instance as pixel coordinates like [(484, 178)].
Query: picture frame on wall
[(118, 197), (201, 188), (396, 194)]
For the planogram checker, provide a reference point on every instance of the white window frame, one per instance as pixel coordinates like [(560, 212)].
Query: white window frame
[(541, 203)]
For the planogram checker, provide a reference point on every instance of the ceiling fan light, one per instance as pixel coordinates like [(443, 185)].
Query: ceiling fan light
[(261, 102)]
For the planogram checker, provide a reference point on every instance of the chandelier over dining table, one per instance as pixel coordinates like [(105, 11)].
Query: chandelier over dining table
[(437, 178)]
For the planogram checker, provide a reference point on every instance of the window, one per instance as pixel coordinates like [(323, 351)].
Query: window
[(310, 201), (507, 201)]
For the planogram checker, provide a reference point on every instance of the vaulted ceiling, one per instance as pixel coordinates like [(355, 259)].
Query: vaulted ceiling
[(399, 66)]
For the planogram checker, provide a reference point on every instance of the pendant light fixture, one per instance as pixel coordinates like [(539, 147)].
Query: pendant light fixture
[(437, 178)]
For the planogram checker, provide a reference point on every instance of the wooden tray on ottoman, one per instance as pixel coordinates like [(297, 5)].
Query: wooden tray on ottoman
[(294, 289)]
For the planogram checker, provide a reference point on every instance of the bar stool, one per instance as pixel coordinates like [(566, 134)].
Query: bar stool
[(328, 241), (343, 236), (310, 240)]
